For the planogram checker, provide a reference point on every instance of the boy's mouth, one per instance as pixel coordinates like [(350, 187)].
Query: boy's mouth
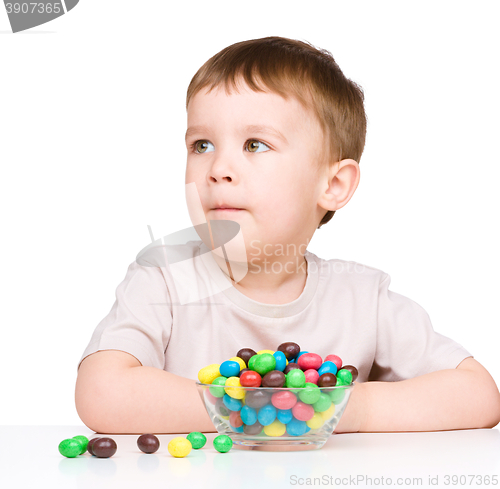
[(225, 207), (231, 209)]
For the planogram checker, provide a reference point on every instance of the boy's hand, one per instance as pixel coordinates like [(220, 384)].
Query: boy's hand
[(355, 411)]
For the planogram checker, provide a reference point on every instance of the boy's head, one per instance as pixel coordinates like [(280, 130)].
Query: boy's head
[(291, 181)]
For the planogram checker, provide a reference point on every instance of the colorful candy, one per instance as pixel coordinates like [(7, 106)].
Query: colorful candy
[(84, 441), (104, 447), (70, 447), (209, 373), (179, 447), (197, 439), (300, 396), (223, 443), (148, 443)]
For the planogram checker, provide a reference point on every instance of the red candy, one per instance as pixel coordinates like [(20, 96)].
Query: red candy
[(335, 359), (309, 360), (312, 376), (302, 411), (235, 419), (250, 378), (284, 400)]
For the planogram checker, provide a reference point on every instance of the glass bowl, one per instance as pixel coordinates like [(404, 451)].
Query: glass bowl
[(279, 418)]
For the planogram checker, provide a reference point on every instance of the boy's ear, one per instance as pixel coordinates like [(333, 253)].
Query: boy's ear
[(339, 183)]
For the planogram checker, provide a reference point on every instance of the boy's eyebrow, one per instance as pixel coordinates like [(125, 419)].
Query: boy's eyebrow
[(255, 128)]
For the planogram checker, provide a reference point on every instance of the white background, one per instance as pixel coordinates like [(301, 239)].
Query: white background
[(92, 122)]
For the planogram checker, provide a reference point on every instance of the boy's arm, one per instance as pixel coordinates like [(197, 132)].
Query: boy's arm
[(452, 399), (116, 394)]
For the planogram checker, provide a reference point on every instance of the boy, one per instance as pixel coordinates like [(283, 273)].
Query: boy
[(275, 134)]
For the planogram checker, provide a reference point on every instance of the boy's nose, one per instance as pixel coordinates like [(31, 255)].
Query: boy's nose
[(221, 170)]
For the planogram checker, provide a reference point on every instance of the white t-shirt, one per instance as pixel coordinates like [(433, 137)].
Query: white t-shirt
[(345, 309)]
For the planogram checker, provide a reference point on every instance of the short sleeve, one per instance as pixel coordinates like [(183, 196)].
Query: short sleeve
[(140, 320), (407, 345)]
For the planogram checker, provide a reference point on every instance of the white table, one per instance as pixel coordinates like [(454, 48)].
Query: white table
[(29, 458)]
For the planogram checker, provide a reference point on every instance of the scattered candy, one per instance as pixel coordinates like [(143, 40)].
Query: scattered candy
[(223, 443), (104, 447), (179, 447), (197, 439), (70, 447), (90, 444), (148, 443), (84, 441)]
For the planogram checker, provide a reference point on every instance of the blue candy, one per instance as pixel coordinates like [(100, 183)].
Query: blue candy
[(248, 415), (267, 414), (284, 415), (327, 367), (280, 360), (231, 403), (296, 427), (229, 368), (238, 430)]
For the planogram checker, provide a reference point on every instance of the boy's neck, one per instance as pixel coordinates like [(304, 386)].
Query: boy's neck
[(269, 287)]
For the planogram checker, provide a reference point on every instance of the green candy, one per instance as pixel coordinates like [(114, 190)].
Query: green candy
[(197, 439), (223, 443), (218, 391), (295, 378), (251, 362), (336, 395), (311, 394), (345, 377), (323, 403), (265, 362), (84, 441), (70, 448)]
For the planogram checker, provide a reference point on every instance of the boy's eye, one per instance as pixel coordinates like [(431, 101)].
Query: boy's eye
[(254, 144), (200, 146)]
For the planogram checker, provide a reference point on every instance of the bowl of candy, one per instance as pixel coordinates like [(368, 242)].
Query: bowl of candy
[(276, 400)]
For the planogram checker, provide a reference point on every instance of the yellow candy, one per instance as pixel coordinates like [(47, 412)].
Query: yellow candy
[(224, 417), (276, 428), (328, 414), (179, 447), (208, 374), (240, 361), (235, 393), (265, 351), (316, 421)]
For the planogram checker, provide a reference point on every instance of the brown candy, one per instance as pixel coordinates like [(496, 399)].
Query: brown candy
[(274, 378), (353, 370), (243, 370), (148, 443), (257, 399), (245, 354), (104, 447), (290, 349), (89, 446), (290, 366), (327, 380), (253, 429)]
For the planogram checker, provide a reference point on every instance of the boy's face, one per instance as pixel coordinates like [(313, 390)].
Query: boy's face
[(274, 180)]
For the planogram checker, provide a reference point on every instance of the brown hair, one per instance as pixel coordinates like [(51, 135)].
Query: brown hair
[(311, 75)]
